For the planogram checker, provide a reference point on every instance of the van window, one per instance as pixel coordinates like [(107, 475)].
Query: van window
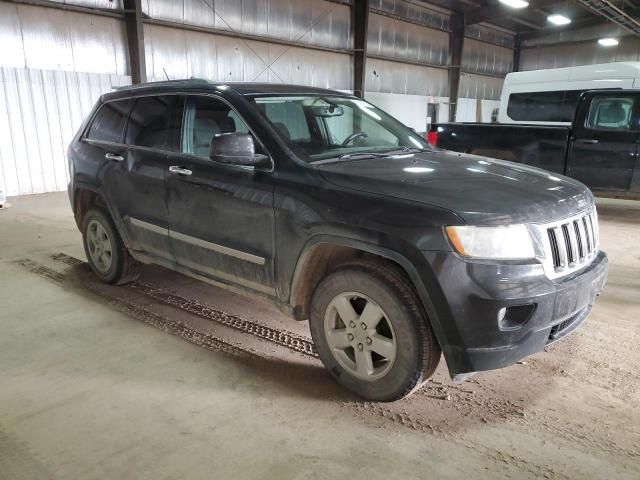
[(610, 113), (155, 122), (108, 124), (555, 106)]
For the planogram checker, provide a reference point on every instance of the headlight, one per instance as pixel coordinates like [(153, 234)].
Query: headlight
[(510, 242)]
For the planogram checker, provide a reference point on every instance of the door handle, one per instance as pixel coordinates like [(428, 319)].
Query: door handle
[(114, 157), (179, 170), (588, 141)]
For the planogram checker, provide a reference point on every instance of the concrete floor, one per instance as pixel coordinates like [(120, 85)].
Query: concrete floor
[(225, 387)]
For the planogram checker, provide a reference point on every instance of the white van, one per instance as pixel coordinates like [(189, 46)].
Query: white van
[(549, 97)]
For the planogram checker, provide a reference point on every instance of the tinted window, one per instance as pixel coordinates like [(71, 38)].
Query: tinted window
[(109, 122), (207, 117), (558, 106), (610, 113), (155, 122)]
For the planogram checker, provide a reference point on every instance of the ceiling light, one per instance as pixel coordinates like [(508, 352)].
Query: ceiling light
[(515, 3), (558, 19), (608, 42)]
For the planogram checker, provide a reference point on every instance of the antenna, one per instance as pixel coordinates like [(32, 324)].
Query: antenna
[(165, 73)]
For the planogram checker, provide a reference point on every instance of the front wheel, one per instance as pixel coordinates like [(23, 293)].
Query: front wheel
[(107, 255), (368, 327)]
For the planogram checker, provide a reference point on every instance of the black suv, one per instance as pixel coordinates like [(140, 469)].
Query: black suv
[(324, 204)]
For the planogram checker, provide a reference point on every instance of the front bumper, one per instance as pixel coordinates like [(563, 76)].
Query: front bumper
[(493, 315)]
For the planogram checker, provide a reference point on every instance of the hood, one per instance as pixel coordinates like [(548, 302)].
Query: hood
[(482, 191)]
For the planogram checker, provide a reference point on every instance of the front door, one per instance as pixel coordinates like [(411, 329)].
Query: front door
[(221, 215), (604, 143)]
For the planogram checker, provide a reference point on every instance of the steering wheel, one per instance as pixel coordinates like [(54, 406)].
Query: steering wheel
[(352, 137)]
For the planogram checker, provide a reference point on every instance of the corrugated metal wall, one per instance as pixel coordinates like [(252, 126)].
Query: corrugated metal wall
[(185, 54), (40, 111), (579, 54), (578, 47), (393, 77), (60, 40), (394, 38), (315, 22), (480, 86)]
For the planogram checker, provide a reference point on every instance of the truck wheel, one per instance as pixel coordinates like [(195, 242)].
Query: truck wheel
[(107, 255), (370, 331)]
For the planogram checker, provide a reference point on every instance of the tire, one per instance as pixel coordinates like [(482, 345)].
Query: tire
[(373, 289), (108, 258)]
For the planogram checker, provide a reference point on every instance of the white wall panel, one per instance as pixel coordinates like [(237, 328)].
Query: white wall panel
[(481, 57), (185, 54), (394, 77), (394, 38), (587, 53), (487, 107), (409, 109), (40, 111), (466, 109), (316, 22), (49, 39), (480, 86)]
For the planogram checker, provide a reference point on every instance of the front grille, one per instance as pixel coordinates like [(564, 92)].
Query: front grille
[(572, 243)]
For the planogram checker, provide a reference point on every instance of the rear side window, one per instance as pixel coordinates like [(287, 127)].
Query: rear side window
[(108, 124), (610, 113), (557, 106), (156, 122)]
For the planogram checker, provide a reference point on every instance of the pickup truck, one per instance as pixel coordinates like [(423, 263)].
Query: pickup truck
[(319, 202), (600, 148)]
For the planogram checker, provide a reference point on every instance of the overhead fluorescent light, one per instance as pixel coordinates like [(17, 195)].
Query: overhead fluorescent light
[(558, 19), (515, 3), (608, 42)]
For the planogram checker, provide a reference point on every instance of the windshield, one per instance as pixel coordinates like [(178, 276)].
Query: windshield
[(325, 127)]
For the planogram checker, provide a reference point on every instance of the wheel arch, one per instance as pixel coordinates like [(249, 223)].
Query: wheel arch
[(324, 252), (86, 196)]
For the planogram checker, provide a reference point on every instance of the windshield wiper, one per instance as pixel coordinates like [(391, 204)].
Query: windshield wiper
[(354, 155), (351, 156)]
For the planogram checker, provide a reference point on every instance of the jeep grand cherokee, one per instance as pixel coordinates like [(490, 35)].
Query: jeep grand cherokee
[(395, 251)]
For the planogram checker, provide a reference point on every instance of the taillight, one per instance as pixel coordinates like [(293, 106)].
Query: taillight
[(432, 138)]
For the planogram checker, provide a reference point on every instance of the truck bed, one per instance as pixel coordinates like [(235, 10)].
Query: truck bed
[(535, 145)]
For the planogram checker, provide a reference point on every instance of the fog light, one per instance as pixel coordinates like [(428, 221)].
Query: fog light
[(515, 316)]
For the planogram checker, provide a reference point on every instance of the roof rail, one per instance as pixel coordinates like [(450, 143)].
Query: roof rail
[(162, 83)]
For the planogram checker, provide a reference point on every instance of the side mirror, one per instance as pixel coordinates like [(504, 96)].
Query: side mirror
[(236, 149)]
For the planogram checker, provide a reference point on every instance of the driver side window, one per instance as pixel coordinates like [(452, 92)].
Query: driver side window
[(610, 113), (204, 118)]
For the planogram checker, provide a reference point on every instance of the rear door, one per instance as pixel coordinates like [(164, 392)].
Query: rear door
[(221, 215), (152, 133), (604, 145)]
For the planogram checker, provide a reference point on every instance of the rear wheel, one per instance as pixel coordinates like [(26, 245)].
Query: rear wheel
[(368, 327), (107, 255)]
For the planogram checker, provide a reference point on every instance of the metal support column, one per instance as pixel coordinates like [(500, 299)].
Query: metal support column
[(456, 42), (516, 54), (359, 27), (135, 40)]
